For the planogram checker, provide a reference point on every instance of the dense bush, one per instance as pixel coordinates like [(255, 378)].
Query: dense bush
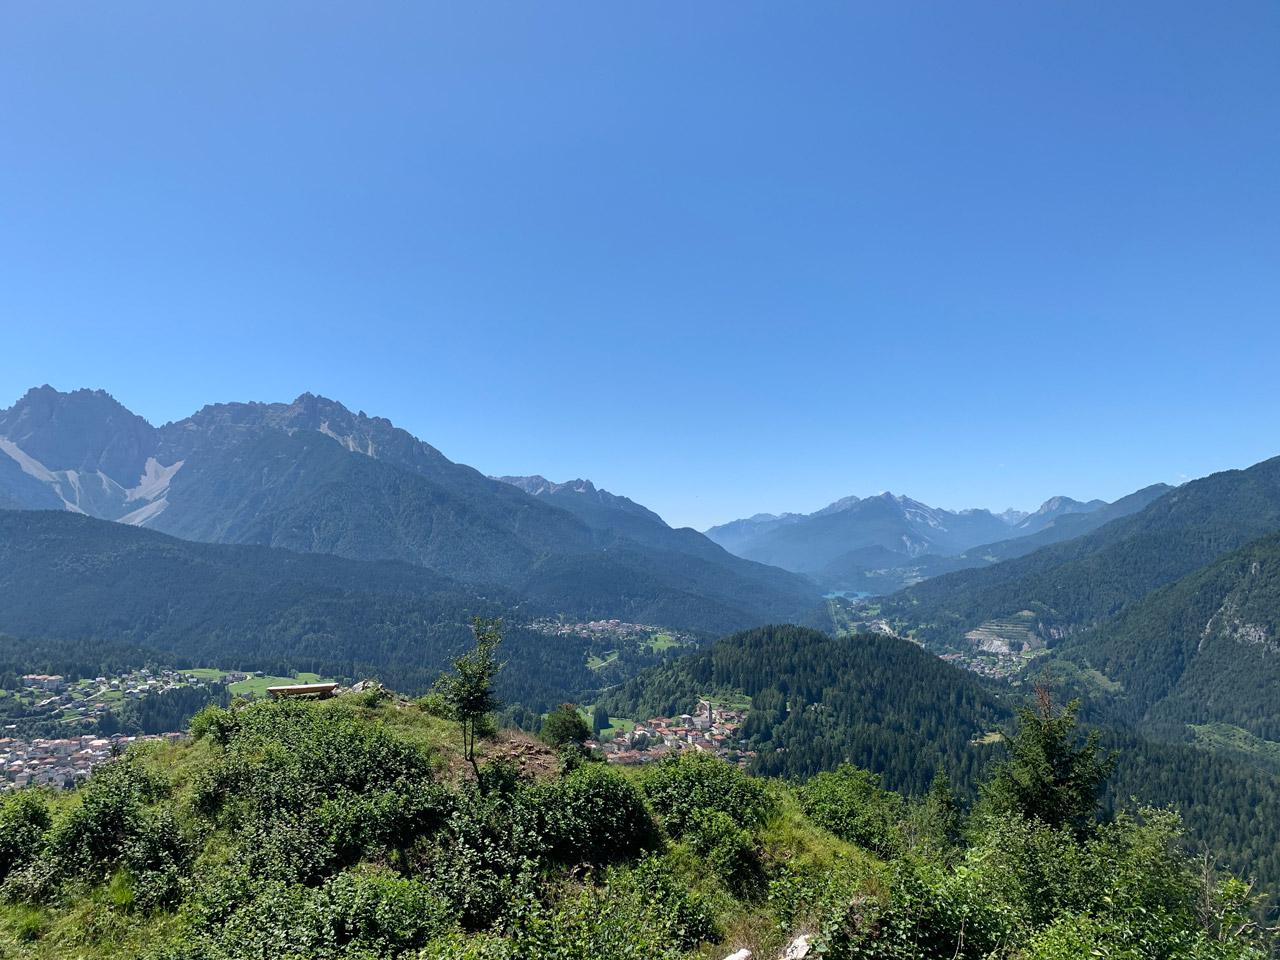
[(595, 814), (850, 803), (685, 784), (381, 914), (24, 821)]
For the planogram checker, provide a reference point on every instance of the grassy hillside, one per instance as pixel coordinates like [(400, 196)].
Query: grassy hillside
[(348, 828)]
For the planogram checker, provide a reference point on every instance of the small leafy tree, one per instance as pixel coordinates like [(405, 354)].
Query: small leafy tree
[(468, 690), (564, 725)]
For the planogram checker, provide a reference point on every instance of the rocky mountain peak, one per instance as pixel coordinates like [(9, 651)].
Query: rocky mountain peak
[(85, 431)]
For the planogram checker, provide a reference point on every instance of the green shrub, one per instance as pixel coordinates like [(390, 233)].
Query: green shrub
[(922, 912), (851, 804), (728, 850), (24, 822), (640, 913), (215, 724), (92, 838), (487, 855), (684, 784), (377, 913), (157, 858), (594, 814)]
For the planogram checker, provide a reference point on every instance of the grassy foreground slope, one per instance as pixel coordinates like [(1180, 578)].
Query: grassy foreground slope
[(350, 828)]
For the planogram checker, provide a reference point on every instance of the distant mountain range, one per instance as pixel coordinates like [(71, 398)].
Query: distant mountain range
[(853, 542), (1077, 583), (311, 476)]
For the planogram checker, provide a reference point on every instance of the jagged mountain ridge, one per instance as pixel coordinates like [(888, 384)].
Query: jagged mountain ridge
[(575, 493), (313, 476), (1053, 508)]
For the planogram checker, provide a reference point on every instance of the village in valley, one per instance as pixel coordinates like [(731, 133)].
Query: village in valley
[(64, 763), (711, 729), (619, 644), (53, 729)]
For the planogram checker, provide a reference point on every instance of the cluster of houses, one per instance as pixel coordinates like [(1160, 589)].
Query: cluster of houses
[(994, 665), (709, 730), (61, 764), (591, 629), (88, 698)]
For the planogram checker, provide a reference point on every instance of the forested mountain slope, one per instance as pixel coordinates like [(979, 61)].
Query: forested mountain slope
[(312, 476), (77, 579), (1204, 649), (1066, 526), (1080, 582), (816, 702), (888, 706)]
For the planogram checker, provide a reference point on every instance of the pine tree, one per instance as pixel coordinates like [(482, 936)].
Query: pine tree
[(599, 719), (1048, 775)]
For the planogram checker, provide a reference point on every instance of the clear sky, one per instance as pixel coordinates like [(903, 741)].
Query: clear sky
[(721, 257)]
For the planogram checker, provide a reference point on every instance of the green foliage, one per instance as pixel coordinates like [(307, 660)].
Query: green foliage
[(934, 821), (729, 850), (93, 837), (24, 821), (1047, 775), (596, 815), (599, 719), (685, 785), (921, 912), (641, 913), (850, 803), (564, 725), (468, 690), (375, 914)]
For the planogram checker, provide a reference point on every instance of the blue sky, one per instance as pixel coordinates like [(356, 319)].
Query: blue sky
[(719, 257)]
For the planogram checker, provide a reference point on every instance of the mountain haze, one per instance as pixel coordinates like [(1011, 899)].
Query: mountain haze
[(312, 476), (865, 532), (1078, 583)]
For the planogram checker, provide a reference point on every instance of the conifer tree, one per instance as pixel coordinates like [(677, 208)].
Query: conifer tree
[(1048, 774)]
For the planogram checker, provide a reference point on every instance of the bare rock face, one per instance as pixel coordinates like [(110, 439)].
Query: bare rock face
[(799, 948)]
